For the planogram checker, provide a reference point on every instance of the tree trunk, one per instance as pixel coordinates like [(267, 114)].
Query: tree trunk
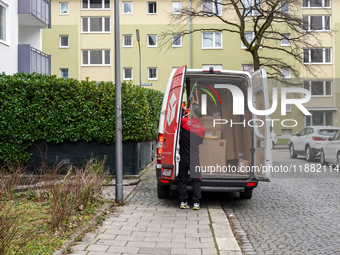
[(256, 59)]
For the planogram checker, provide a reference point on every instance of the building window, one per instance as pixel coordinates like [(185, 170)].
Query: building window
[(127, 7), (251, 7), (288, 108), (286, 73), (317, 56), (127, 73), (249, 37), (285, 40), (63, 41), (152, 7), (321, 118), (127, 40), (152, 40), (319, 88), (317, 23), (63, 8), (96, 24), (284, 7), (152, 73), (286, 131), (248, 68), (176, 41), (2, 22), (176, 7), (96, 4), (96, 57), (212, 40), (64, 72), (316, 3), (210, 7)]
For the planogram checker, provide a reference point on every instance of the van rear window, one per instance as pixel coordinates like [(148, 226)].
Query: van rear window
[(327, 132)]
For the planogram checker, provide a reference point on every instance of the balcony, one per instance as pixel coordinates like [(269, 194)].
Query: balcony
[(36, 13), (32, 60)]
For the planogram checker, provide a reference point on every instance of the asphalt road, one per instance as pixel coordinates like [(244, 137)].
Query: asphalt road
[(298, 212)]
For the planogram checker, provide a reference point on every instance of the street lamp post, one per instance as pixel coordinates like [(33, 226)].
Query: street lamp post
[(118, 117), (140, 57)]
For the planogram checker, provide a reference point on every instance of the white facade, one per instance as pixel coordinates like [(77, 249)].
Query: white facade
[(21, 22), (9, 46)]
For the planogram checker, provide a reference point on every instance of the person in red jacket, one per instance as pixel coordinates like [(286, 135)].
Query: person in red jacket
[(191, 136)]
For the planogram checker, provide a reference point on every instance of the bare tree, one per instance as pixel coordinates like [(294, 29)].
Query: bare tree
[(269, 21)]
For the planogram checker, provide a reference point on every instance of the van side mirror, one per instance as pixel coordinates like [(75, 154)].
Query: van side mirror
[(297, 133)]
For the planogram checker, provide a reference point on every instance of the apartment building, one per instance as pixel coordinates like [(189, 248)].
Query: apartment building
[(323, 82), (21, 22), (81, 41)]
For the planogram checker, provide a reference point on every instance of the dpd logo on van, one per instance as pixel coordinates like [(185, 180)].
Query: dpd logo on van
[(171, 109)]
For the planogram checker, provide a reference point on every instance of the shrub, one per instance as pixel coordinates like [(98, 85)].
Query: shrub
[(40, 107), (79, 189)]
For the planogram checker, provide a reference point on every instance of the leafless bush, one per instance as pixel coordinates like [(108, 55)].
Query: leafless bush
[(13, 234), (14, 178), (78, 189)]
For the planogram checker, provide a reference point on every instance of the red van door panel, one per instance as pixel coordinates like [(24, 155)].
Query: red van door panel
[(172, 122)]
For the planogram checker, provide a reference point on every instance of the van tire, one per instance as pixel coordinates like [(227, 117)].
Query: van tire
[(291, 151), (246, 194), (162, 191)]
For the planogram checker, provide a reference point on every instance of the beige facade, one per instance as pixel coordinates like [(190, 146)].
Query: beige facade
[(90, 51)]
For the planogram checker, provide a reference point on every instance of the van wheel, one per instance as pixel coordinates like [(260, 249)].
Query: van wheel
[(291, 151), (308, 154), (162, 191), (246, 194), (322, 158)]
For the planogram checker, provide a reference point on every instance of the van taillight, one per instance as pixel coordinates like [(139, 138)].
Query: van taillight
[(160, 148), (318, 138)]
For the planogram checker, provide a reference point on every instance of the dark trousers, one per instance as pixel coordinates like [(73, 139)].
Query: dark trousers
[(184, 166)]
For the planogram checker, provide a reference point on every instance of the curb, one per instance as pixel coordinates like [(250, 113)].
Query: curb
[(93, 222)]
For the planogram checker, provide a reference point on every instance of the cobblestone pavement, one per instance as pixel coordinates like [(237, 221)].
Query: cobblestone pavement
[(292, 214), (148, 225)]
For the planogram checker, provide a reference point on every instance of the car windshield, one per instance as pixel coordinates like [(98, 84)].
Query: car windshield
[(328, 132)]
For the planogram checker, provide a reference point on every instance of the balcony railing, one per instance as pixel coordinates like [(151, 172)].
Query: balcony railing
[(32, 60), (38, 8)]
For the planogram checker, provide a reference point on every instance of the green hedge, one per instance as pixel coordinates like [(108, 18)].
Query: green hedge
[(35, 107)]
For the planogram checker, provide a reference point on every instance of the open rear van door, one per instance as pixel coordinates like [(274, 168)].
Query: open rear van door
[(262, 141), (170, 150)]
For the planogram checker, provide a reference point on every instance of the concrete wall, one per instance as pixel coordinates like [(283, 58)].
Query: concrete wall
[(30, 35)]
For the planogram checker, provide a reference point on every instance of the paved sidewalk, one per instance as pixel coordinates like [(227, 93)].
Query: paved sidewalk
[(148, 225)]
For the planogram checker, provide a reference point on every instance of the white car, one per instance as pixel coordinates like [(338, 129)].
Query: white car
[(330, 151), (309, 140)]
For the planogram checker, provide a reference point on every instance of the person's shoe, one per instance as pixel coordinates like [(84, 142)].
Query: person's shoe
[(184, 205), (196, 206)]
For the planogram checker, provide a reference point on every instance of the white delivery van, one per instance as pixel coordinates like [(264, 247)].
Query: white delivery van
[(237, 150)]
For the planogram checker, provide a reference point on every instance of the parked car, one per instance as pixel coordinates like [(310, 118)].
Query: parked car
[(274, 137), (330, 151), (309, 140)]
